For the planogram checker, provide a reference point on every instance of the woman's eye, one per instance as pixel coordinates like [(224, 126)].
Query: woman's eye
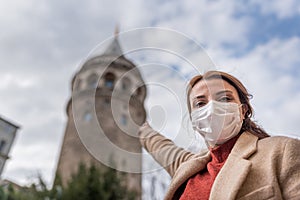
[(199, 104), (225, 99)]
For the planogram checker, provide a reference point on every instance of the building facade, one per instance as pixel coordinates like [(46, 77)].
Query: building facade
[(8, 132)]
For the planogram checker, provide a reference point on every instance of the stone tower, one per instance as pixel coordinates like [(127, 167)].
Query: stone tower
[(108, 91)]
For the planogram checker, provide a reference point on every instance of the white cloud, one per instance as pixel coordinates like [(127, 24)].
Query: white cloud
[(11, 80), (282, 9), (211, 22)]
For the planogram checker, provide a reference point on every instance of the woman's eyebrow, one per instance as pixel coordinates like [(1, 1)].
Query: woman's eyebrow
[(217, 94), (198, 97), (224, 92)]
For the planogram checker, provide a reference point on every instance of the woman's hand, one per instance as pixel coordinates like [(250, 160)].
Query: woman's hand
[(145, 129)]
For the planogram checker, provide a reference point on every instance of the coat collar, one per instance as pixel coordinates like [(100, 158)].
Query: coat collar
[(230, 177), (185, 171)]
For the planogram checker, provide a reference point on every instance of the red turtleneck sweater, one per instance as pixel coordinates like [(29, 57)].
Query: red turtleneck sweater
[(198, 186)]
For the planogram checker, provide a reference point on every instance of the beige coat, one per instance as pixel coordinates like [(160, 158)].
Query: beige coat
[(255, 169)]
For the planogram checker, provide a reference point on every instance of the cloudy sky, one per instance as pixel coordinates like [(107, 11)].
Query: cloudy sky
[(43, 42)]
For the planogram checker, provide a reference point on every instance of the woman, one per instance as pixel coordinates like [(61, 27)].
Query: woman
[(242, 161)]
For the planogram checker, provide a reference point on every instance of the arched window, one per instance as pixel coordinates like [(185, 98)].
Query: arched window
[(2, 145), (93, 81), (125, 83), (123, 119), (109, 80), (87, 116), (106, 101)]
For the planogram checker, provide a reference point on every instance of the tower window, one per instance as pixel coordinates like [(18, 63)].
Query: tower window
[(109, 80), (125, 83), (93, 81), (123, 119), (2, 145), (106, 101), (109, 83), (87, 117)]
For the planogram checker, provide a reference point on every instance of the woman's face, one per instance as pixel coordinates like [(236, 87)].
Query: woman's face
[(213, 89)]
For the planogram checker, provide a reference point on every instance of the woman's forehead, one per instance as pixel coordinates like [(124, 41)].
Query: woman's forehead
[(211, 86)]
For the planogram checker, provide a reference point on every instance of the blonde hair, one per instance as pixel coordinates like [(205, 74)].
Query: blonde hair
[(248, 124)]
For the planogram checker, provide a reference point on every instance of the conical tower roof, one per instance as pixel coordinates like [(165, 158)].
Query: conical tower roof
[(112, 53), (114, 49)]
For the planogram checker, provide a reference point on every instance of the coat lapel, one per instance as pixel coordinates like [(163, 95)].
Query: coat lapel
[(236, 168), (185, 171)]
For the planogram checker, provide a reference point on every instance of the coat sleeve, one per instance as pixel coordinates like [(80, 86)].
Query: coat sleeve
[(163, 150), (290, 170)]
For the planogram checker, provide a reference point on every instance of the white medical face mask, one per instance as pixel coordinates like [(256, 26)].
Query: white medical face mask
[(217, 122)]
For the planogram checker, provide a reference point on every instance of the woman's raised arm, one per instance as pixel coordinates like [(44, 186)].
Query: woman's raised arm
[(162, 149)]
